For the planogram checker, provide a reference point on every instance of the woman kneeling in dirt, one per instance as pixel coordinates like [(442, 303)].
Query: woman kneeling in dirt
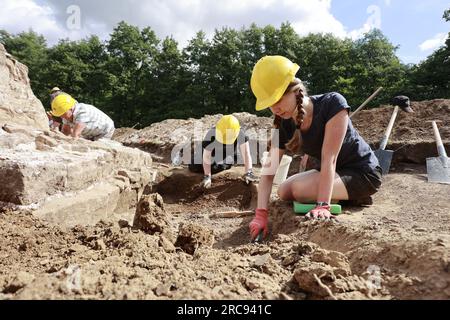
[(321, 126)]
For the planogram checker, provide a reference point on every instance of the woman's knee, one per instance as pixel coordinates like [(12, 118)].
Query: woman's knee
[(284, 192)]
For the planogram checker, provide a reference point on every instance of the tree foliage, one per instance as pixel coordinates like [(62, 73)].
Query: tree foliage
[(139, 79)]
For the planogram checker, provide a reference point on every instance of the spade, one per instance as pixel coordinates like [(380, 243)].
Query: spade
[(438, 168), (385, 156)]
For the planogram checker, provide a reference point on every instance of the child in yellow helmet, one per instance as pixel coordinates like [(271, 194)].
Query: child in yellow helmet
[(82, 120), (220, 148), (320, 125)]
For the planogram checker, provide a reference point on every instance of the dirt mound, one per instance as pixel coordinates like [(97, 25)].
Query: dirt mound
[(327, 274), (412, 137), (183, 187), (409, 126), (396, 249), (160, 138), (150, 215), (192, 236)]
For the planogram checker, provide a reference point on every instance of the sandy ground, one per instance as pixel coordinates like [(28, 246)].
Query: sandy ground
[(396, 249)]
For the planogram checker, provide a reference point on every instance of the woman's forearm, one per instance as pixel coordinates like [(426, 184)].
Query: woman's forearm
[(264, 191), (268, 172), (326, 182), (207, 159), (245, 151)]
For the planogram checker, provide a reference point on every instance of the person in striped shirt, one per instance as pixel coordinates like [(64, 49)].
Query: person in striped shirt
[(82, 120)]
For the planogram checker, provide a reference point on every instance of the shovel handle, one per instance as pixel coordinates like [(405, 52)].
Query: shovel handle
[(385, 140), (440, 145), (366, 102)]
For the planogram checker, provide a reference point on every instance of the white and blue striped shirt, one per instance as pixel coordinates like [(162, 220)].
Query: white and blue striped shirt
[(98, 124)]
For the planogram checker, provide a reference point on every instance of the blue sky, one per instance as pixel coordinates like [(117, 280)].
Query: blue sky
[(406, 23), (415, 25)]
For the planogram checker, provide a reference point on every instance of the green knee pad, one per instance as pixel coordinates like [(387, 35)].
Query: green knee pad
[(301, 208)]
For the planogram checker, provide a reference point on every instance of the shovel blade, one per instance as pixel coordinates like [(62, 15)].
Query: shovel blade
[(438, 170), (385, 159)]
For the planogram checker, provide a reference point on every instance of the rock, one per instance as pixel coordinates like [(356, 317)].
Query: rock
[(447, 292), (44, 142), (124, 224), (21, 280), (334, 259), (150, 215), (284, 296), (162, 290), (59, 179), (133, 177), (251, 284), (304, 275), (18, 104), (100, 245), (192, 236), (289, 260), (261, 260), (77, 248), (166, 244)]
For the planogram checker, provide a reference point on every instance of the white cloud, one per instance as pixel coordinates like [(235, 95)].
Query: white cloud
[(373, 22), (179, 18), (434, 43), (21, 15), (387, 2)]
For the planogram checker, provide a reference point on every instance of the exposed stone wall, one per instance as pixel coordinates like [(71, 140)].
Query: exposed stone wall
[(18, 104)]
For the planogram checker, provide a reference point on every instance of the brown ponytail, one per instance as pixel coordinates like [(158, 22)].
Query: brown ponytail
[(296, 142)]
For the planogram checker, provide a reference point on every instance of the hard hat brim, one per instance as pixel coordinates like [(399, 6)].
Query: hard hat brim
[(57, 114)]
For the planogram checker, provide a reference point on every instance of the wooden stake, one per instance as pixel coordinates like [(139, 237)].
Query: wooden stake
[(232, 214)]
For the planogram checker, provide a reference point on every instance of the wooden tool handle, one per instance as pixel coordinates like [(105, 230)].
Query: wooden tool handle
[(385, 140), (366, 102), (232, 214), (440, 145)]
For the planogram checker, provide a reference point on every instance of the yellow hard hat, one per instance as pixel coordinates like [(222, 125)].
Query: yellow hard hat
[(61, 104), (227, 130), (270, 79)]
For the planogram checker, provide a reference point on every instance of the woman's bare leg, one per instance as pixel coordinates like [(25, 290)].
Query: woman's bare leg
[(303, 187)]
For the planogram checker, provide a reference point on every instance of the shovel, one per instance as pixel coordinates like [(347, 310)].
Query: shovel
[(385, 156), (438, 168)]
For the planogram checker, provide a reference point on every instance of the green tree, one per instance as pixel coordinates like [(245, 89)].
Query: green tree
[(373, 63), (164, 95), (431, 78), (79, 68), (198, 95), (131, 64)]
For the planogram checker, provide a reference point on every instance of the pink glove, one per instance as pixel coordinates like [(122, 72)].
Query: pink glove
[(259, 223), (321, 212)]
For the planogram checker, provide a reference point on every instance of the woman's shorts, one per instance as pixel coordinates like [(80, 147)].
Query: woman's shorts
[(359, 183)]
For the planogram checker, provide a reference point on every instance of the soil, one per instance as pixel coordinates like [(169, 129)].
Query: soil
[(398, 248)]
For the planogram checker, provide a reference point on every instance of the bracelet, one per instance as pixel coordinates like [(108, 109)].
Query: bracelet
[(322, 204)]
